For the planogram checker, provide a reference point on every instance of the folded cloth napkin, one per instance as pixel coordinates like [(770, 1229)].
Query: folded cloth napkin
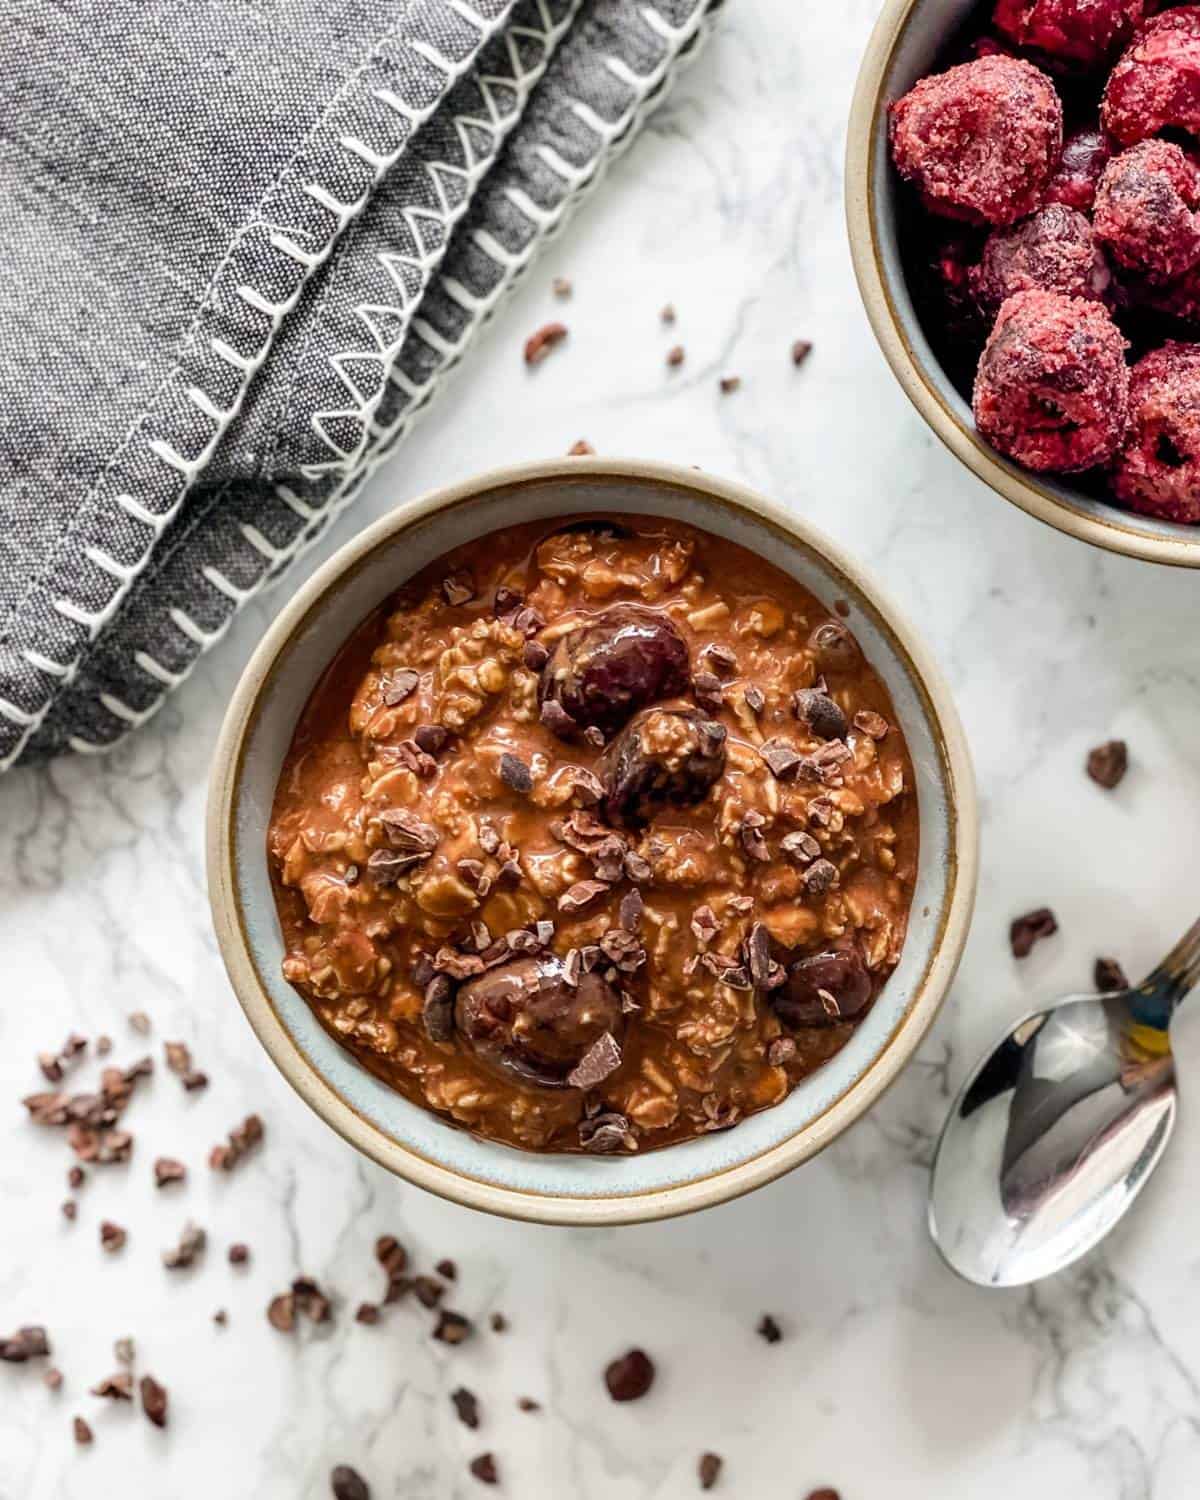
[(242, 241)]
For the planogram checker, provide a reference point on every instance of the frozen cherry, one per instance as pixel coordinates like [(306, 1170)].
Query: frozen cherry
[(662, 758), (980, 141), (822, 989), (1146, 210), (600, 673), (526, 1021), (1052, 387), (1085, 155), (1053, 250), (1158, 469), (1156, 82), (1078, 33)]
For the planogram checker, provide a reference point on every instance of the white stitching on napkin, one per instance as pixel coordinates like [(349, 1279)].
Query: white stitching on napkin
[(686, 44), (93, 620)]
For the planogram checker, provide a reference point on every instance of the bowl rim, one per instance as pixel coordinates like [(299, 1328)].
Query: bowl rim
[(1118, 532), (688, 1195)]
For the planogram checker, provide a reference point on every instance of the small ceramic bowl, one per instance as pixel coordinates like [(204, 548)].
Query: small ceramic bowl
[(417, 1145), (906, 44)]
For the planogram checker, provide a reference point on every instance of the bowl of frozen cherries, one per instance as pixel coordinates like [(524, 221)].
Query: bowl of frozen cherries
[(1023, 195)]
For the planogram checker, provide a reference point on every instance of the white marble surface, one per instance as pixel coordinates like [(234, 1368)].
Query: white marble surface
[(893, 1380)]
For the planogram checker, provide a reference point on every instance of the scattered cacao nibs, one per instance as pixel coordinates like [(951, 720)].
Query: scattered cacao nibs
[(561, 287), (1108, 763), (630, 1377), (281, 1312), (824, 1493), (667, 314), (821, 877), (1109, 976), (194, 1078), (750, 835), (458, 589), (515, 774), (600, 1061), (112, 1236), (535, 655), (81, 1431), (538, 345), (239, 1254), (30, 1342), (1025, 931), (637, 866), (447, 1269), (168, 1170), (758, 955), (581, 895), (754, 699), (708, 691), (527, 1403), (391, 1255), (139, 1021), (76, 1177), (452, 1327), (368, 1313), (466, 1404), (125, 1351), (781, 760), (817, 710), (220, 1317), (70, 1210), (871, 723), (781, 1051), (499, 1323), (675, 356), (241, 1140), (709, 1469), (154, 1400), (311, 1300), (427, 1291), (799, 847), (431, 739), (395, 687), (729, 384), (606, 1134), (629, 913), (52, 1379), (191, 1244), (581, 448), (801, 349), (103, 1046), (484, 1469), (348, 1484), (768, 1329), (118, 1387)]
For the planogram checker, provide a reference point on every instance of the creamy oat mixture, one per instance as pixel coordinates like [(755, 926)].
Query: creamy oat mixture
[(597, 836)]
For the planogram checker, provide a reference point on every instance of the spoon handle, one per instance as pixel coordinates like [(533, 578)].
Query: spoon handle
[(1171, 980)]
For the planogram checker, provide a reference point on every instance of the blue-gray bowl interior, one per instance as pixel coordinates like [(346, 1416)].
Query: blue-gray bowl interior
[(919, 50), (288, 687)]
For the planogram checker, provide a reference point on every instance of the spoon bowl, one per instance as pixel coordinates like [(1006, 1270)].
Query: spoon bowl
[(1058, 1129)]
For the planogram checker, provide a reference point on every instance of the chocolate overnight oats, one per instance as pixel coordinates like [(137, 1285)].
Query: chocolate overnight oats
[(596, 837)]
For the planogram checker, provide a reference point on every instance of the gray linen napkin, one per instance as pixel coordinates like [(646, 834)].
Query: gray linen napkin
[(241, 244)]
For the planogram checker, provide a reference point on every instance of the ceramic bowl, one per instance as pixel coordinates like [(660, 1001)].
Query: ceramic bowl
[(906, 44), (418, 1145)]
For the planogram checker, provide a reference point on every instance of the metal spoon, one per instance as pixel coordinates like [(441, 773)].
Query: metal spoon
[(1059, 1128)]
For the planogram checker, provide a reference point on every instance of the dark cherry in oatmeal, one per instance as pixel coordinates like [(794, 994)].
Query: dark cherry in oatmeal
[(595, 837)]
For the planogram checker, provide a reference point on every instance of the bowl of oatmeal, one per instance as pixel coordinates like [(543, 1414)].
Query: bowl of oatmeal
[(591, 842), (1022, 194)]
